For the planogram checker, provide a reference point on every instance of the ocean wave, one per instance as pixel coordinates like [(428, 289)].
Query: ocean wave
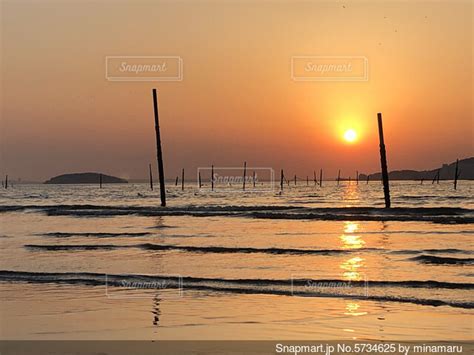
[(198, 249), (442, 260), (443, 215), (434, 251), (296, 287), (93, 234)]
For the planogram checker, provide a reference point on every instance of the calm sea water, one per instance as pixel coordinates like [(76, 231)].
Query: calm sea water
[(79, 262)]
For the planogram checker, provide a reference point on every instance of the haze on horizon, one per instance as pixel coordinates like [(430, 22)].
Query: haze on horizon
[(237, 100)]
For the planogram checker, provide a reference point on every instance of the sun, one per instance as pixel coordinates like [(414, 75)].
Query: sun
[(350, 136)]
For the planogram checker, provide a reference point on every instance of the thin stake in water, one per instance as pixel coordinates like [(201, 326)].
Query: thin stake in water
[(151, 177), (383, 163), (245, 175), (159, 153)]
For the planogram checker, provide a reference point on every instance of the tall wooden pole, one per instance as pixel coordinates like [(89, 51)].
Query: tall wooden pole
[(338, 176), (456, 174), (151, 177), (6, 181), (245, 175), (281, 180), (159, 153), (176, 181), (212, 178), (357, 177), (254, 178), (307, 180), (100, 181), (383, 163), (295, 180), (199, 178), (182, 179), (314, 177), (321, 178)]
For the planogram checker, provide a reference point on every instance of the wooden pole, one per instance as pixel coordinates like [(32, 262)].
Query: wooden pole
[(435, 177), (212, 178), (245, 175), (254, 178), (314, 177), (100, 181), (357, 177), (295, 180), (383, 162), (182, 179), (307, 180), (159, 153), (176, 181), (199, 178), (6, 181), (321, 178), (281, 180), (456, 174), (439, 173), (338, 176), (151, 177)]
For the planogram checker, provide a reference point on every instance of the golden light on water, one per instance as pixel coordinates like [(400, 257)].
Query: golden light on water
[(351, 227)]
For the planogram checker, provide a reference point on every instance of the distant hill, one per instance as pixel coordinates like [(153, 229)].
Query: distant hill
[(466, 170), (85, 178)]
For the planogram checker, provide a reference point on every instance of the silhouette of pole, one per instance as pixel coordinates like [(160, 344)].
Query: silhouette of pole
[(182, 179), (245, 175), (436, 178), (176, 181), (383, 163), (159, 153), (100, 181), (199, 178), (439, 173), (212, 178), (6, 181), (254, 178), (281, 180), (295, 180), (321, 178), (357, 177), (338, 177), (456, 174), (314, 177), (307, 180), (151, 177)]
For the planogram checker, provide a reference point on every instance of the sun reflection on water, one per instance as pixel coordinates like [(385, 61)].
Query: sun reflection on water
[(352, 309)]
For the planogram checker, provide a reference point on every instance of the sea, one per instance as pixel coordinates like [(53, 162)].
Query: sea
[(79, 262)]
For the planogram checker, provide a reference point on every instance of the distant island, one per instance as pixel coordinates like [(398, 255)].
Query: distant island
[(446, 172), (85, 178)]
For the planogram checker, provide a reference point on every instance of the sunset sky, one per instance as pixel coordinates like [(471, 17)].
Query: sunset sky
[(237, 100)]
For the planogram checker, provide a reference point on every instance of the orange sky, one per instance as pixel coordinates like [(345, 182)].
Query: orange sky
[(237, 100)]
